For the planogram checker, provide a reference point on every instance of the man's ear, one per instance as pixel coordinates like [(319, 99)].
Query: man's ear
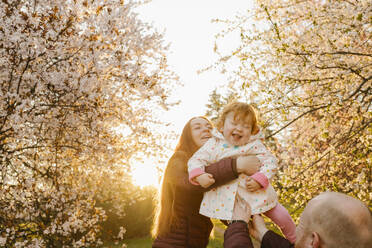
[(315, 243)]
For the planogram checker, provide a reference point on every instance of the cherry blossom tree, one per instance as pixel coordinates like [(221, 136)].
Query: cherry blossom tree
[(307, 66), (80, 82)]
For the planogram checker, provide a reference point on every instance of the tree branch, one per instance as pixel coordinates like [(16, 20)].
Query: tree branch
[(331, 53), (338, 144), (342, 68), (359, 87), (297, 118), (23, 72), (275, 26)]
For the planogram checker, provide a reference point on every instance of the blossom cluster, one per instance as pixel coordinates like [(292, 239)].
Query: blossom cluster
[(72, 73)]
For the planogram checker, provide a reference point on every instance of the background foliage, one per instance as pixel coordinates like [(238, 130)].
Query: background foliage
[(73, 74), (306, 65), (137, 219)]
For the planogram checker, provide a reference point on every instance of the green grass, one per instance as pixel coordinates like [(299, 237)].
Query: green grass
[(144, 242), (214, 242), (216, 238), (139, 243)]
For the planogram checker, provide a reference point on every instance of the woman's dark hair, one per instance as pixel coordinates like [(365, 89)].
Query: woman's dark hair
[(164, 215)]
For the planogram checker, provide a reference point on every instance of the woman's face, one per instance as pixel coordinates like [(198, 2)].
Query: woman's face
[(200, 131)]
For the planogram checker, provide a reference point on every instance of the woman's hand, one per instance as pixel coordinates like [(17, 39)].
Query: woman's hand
[(248, 165)]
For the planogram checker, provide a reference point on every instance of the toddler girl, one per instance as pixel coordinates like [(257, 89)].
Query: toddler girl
[(239, 136)]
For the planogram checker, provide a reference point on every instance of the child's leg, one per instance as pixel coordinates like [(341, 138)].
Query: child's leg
[(280, 216)]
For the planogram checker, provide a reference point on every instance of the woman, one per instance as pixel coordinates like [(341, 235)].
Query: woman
[(178, 223)]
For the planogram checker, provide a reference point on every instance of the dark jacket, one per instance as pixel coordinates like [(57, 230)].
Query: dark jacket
[(193, 229), (273, 240), (237, 236)]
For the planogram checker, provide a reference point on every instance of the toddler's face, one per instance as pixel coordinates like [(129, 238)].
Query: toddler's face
[(237, 131)]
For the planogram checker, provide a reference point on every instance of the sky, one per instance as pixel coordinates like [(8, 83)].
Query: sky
[(188, 28)]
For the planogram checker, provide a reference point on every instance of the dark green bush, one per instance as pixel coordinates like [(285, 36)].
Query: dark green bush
[(138, 216)]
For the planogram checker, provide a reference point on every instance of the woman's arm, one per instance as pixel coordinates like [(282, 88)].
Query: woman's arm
[(199, 160), (223, 171), (176, 173), (229, 168)]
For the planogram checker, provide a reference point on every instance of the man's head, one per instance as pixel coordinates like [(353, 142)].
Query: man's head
[(335, 220)]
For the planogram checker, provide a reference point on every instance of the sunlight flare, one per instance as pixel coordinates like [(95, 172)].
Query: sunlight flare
[(145, 175)]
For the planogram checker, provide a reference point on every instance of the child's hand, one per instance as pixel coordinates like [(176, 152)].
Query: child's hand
[(252, 185), (205, 180)]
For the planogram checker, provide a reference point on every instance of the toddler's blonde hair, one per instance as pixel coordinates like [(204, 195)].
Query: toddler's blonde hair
[(241, 110)]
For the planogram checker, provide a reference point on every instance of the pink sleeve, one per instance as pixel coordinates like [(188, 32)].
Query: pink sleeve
[(194, 173), (261, 179)]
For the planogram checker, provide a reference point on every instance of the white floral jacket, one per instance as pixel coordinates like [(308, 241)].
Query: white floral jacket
[(219, 202)]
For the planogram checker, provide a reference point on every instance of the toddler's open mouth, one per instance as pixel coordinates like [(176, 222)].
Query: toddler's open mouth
[(236, 137)]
